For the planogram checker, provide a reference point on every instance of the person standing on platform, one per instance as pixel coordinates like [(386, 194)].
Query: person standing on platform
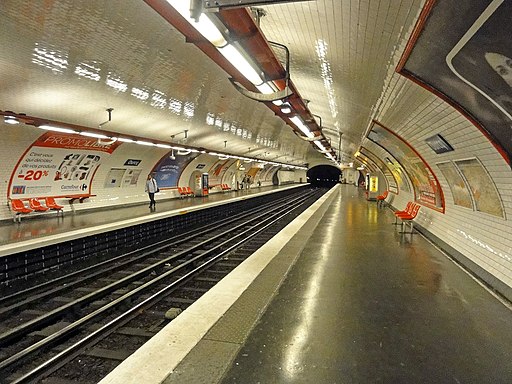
[(151, 189)]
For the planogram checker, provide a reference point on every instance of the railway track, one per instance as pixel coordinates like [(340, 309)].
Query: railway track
[(99, 315)]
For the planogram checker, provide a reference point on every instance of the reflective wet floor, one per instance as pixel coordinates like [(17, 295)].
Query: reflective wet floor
[(364, 304)]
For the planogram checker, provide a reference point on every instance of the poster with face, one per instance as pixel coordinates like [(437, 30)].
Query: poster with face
[(463, 54), (58, 164)]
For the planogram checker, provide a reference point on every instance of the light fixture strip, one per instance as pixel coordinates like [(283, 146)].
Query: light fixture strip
[(56, 129), (210, 32), (204, 25), (300, 124), (95, 135)]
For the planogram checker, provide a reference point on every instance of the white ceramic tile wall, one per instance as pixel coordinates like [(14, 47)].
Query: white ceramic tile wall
[(415, 114)]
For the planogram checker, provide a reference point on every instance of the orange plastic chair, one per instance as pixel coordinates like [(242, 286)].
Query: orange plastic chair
[(182, 191), (189, 191), (51, 204), (381, 199), (19, 209), (36, 205)]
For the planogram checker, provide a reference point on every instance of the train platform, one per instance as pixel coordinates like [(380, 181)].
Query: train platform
[(339, 296), (50, 228)]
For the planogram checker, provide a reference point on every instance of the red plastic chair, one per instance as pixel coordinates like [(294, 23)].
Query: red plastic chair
[(36, 205), (51, 204), (182, 191), (409, 218), (18, 207), (381, 199), (406, 210), (189, 191)]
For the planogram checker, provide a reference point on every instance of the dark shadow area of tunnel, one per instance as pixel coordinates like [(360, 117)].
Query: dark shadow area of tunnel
[(324, 176)]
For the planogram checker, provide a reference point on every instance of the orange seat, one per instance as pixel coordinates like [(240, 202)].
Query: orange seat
[(19, 208), (36, 205), (409, 217), (381, 199), (182, 191), (189, 191), (51, 204), (405, 211)]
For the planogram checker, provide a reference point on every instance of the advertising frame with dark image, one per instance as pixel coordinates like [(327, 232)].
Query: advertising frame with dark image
[(468, 63), (427, 190), (168, 170)]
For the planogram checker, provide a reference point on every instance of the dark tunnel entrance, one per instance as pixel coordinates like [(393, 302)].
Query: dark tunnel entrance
[(323, 176)]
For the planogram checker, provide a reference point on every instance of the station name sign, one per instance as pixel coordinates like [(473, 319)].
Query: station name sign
[(132, 162)]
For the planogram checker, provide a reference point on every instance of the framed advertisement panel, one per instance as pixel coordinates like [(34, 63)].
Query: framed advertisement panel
[(58, 164), (460, 191), (426, 187), (484, 192), (390, 177)]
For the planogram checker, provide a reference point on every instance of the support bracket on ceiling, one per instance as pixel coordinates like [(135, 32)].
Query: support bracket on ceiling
[(261, 96), (215, 6), (269, 97)]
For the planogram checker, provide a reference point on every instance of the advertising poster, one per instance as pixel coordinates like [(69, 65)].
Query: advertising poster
[(426, 187), (59, 165), (458, 187), (483, 190), (463, 53), (168, 170), (399, 174), (218, 170)]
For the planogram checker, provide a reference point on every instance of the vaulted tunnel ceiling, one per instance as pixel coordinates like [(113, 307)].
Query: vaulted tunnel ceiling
[(69, 61)]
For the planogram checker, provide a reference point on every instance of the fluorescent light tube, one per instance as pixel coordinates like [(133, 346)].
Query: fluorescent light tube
[(56, 129), (266, 89), (96, 135), (144, 143), (300, 124), (204, 26), (319, 145), (11, 120), (240, 63), (125, 140)]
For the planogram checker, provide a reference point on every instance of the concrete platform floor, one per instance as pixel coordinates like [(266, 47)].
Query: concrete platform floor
[(361, 304)]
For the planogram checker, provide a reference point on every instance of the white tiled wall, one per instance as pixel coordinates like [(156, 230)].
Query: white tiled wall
[(415, 114)]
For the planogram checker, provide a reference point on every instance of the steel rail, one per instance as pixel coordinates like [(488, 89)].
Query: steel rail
[(31, 325), (74, 350), (16, 296), (177, 240)]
